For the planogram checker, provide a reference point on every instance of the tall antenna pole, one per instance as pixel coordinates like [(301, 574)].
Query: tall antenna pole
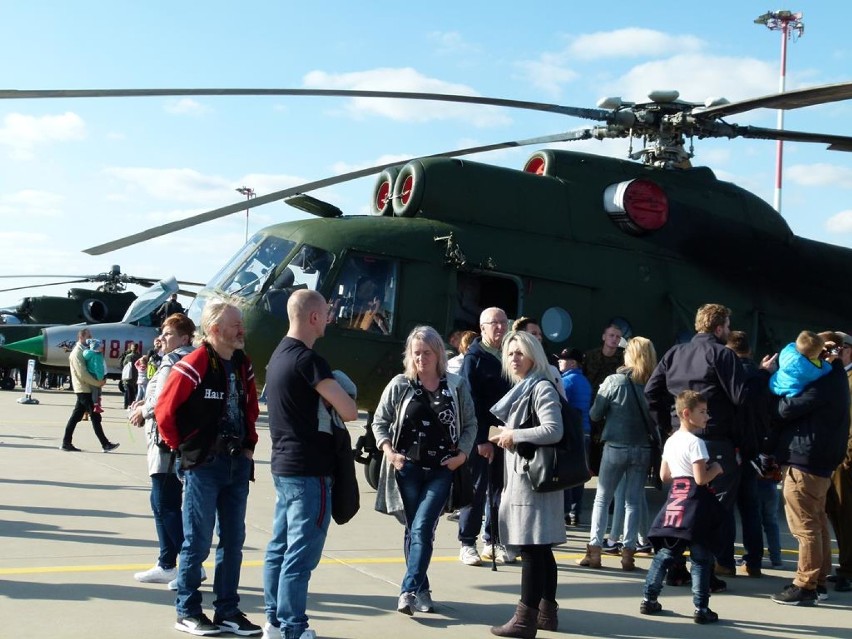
[(789, 24), (249, 193)]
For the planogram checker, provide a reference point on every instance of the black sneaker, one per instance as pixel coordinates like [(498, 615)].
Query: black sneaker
[(237, 624), (792, 595), (70, 448), (842, 584), (822, 593), (645, 549), (650, 607), (198, 625), (717, 585), (611, 547), (110, 446), (704, 615)]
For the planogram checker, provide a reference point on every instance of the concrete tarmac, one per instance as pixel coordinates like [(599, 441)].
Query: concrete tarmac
[(76, 526)]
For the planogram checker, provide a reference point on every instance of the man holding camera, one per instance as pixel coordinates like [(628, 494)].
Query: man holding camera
[(206, 412)]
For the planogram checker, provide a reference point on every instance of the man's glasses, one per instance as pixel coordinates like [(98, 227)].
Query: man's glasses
[(496, 323)]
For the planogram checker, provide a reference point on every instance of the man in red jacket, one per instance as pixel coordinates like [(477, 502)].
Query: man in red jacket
[(206, 412)]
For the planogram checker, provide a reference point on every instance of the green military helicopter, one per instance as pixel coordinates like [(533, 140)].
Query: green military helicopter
[(574, 239)]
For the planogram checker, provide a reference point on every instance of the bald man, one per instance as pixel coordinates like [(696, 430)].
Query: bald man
[(297, 379)]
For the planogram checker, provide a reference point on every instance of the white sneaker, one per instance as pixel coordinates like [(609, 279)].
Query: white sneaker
[(173, 582), (406, 603), (271, 632), (156, 575), (505, 554), (469, 557), (423, 601), (487, 553)]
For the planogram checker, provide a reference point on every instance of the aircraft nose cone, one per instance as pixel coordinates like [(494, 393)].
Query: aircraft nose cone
[(32, 346)]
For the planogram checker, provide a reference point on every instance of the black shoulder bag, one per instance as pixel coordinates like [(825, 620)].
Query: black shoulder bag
[(653, 440), (558, 466)]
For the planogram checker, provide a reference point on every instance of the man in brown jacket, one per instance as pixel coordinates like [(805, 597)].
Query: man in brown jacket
[(83, 382)]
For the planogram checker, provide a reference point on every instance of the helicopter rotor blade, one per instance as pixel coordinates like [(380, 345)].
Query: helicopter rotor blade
[(178, 225), (591, 114), (84, 277), (20, 288), (795, 99), (835, 142)]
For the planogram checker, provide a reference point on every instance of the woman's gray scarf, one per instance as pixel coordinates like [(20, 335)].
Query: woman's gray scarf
[(524, 387)]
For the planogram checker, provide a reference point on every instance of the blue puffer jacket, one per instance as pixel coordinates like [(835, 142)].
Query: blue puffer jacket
[(795, 371)]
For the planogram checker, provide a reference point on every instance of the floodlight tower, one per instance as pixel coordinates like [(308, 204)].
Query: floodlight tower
[(790, 25), (249, 193)]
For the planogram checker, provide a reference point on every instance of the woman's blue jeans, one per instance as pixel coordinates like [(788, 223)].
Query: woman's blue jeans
[(616, 527), (702, 567), (166, 498), (630, 462), (424, 492)]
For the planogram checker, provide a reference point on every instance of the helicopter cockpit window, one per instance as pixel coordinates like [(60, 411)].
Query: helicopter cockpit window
[(364, 297), (246, 273)]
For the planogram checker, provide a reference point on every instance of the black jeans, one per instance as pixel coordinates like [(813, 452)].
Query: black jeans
[(538, 575), (84, 405), (487, 488)]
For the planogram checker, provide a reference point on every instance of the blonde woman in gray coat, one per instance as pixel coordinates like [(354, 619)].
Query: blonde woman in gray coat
[(531, 520), (425, 424)]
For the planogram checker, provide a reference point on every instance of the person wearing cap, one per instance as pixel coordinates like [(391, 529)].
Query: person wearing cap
[(578, 392), (838, 503)]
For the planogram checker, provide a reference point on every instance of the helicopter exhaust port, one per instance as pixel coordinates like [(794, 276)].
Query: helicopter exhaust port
[(637, 206), (95, 311), (382, 203)]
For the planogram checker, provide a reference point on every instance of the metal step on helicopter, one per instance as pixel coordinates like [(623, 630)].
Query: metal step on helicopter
[(46, 326), (573, 239)]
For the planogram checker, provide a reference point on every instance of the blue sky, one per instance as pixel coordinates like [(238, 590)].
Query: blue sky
[(77, 173)]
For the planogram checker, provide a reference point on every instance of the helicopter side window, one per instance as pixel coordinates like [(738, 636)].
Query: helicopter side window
[(307, 269), (364, 297), (246, 273)]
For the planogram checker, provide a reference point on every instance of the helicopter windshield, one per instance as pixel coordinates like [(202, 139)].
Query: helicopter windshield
[(364, 296), (142, 307), (245, 274)]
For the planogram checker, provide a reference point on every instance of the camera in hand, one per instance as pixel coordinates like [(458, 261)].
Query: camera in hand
[(228, 441)]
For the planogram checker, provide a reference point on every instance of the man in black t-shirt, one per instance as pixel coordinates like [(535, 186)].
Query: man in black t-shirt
[(297, 379)]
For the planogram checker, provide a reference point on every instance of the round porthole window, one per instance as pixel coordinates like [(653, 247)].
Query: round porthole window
[(556, 324)]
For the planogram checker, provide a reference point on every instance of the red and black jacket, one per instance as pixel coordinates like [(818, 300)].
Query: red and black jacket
[(193, 401)]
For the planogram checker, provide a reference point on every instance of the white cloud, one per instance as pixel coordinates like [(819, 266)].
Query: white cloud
[(186, 106), (697, 77), (407, 80), (820, 174), (451, 43), (840, 223), (30, 202), (23, 133), (340, 168), (631, 43), (549, 72), (181, 185)]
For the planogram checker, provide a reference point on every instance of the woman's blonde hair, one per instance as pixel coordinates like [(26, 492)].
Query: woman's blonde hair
[(433, 340), (531, 348), (641, 357)]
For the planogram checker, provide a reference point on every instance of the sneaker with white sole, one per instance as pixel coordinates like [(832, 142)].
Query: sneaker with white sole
[(506, 555), (469, 557), (423, 601), (156, 575), (173, 582), (198, 625), (238, 624), (406, 603), (271, 632), (487, 553)]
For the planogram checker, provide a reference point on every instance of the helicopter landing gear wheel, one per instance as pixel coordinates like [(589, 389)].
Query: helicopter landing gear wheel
[(7, 383)]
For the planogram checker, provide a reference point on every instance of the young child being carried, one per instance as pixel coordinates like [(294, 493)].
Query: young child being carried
[(687, 518), (799, 364), (94, 356)]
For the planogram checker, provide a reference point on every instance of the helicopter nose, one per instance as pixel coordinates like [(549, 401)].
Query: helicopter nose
[(31, 346)]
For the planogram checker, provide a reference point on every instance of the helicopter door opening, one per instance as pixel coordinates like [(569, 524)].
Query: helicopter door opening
[(477, 291), (364, 296)]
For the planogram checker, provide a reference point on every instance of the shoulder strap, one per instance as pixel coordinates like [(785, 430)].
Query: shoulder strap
[(653, 435)]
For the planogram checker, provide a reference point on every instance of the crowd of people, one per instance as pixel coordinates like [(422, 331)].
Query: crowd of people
[(718, 428)]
